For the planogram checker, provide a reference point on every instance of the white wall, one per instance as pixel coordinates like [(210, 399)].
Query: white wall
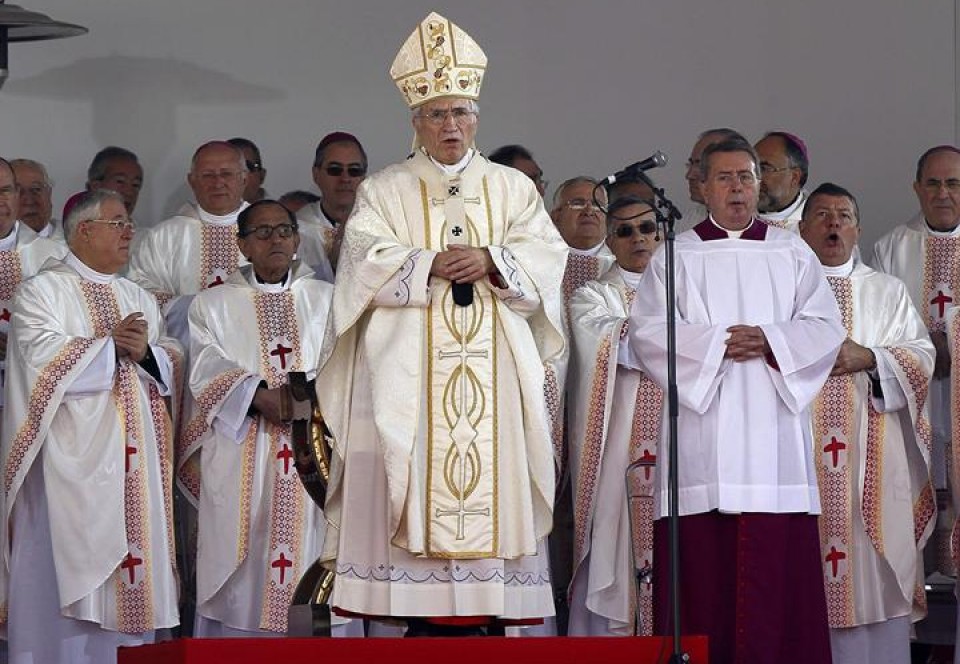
[(588, 87)]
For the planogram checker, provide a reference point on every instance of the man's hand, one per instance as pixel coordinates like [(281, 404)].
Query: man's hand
[(462, 264), (130, 337), (942, 366), (746, 342), (270, 403), (853, 358)]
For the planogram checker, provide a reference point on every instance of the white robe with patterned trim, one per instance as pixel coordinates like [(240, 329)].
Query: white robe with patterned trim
[(614, 414), (432, 403), (101, 434), (873, 460), (259, 531)]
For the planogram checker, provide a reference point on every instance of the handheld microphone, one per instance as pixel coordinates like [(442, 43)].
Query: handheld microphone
[(656, 160)]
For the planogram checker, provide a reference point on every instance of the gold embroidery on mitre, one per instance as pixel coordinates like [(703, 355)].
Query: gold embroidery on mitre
[(438, 59)]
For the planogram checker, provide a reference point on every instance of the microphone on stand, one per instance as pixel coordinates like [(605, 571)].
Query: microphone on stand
[(656, 160)]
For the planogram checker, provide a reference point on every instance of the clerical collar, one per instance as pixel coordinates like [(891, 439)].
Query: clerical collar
[(46, 231), (632, 279), (453, 169), (221, 220), (933, 231), (323, 213), (844, 270), (733, 234), (592, 251), (88, 272), (9, 243), (278, 287), (786, 212)]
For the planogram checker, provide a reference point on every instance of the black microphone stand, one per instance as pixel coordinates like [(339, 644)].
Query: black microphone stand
[(667, 215)]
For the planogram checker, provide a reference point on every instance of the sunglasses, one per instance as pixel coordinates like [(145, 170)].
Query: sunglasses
[(336, 170), (627, 230), (254, 166)]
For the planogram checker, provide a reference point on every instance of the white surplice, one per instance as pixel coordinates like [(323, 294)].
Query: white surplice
[(313, 216), (442, 482), (730, 412), (259, 531), (873, 438), (88, 442), (614, 414)]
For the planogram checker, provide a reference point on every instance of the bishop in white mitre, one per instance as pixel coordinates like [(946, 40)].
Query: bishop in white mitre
[(87, 452), (447, 305), (873, 440), (614, 414)]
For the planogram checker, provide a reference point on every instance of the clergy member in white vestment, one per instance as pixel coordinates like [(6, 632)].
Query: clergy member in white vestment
[(757, 333), (784, 167), (22, 254), (696, 209), (614, 415), (259, 531), (339, 166), (88, 547), (924, 253), (873, 438), (446, 307)]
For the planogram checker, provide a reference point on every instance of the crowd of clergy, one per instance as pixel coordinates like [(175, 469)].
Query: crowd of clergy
[(492, 365)]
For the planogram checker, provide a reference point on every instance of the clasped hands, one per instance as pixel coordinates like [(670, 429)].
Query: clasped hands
[(462, 264), (130, 337), (748, 341)]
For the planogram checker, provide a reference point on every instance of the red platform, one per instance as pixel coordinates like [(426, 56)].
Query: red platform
[(612, 650)]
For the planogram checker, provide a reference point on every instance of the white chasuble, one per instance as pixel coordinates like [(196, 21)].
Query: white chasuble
[(102, 433), (614, 415), (873, 440), (454, 395), (259, 531)]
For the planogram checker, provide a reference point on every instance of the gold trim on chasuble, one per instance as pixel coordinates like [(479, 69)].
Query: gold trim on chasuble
[(462, 456)]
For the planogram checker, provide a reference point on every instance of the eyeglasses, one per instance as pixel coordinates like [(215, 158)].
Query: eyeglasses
[(35, 190), (746, 179), (627, 230), (265, 232), (213, 176), (580, 204), (9, 191), (770, 169), (438, 116), (254, 166), (119, 225), (933, 186), (336, 170)]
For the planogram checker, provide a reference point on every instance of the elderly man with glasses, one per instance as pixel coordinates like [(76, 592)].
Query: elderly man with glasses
[(757, 333), (87, 448), (36, 205), (339, 166), (446, 310)]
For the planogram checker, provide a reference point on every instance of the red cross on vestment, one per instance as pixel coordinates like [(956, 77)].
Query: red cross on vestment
[(217, 281), (834, 558), (130, 450), (282, 563), (281, 351), (130, 563), (651, 458), (941, 300), (834, 448), (286, 454), (5, 314)]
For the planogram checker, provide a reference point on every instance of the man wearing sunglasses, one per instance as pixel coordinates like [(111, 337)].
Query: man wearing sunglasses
[(757, 334), (614, 418), (339, 166), (446, 308), (253, 190)]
